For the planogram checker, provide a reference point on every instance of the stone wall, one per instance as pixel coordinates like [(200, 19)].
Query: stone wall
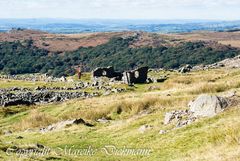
[(33, 78)]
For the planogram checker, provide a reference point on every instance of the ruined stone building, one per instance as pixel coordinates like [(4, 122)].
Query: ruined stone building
[(139, 75), (107, 72)]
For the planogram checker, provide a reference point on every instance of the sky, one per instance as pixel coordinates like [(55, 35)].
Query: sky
[(122, 9)]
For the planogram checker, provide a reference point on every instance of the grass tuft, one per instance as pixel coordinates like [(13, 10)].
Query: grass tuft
[(35, 119)]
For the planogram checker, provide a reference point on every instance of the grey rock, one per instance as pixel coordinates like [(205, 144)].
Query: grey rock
[(181, 123), (168, 117), (231, 94), (207, 105), (182, 117)]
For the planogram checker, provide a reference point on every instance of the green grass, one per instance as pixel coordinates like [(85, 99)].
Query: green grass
[(175, 144)]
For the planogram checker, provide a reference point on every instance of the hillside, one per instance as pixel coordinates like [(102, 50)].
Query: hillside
[(71, 42), (58, 42), (118, 120), (225, 38), (38, 52)]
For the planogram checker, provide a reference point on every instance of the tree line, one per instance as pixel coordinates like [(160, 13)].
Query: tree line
[(22, 57)]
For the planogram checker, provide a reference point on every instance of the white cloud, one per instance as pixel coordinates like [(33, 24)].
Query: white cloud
[(167, 9)]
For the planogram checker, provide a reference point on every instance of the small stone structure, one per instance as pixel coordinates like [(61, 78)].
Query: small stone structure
[(107, 72), (139, 75)]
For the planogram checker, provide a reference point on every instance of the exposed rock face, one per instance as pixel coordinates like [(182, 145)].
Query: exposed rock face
[(107, 72), (208, 106), (139, 75)]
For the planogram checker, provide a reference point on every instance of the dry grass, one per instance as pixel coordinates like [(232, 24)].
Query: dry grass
[(222, 135), (109, 106), (225, 38), (214, 153), (233, 43), (214, 87), (34, 119), (120, 107)]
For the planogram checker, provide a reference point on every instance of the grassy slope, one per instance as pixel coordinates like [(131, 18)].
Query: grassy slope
[(207, 139)]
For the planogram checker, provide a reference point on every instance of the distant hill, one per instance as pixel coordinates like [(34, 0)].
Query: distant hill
[(29, 51), (71, 26)]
